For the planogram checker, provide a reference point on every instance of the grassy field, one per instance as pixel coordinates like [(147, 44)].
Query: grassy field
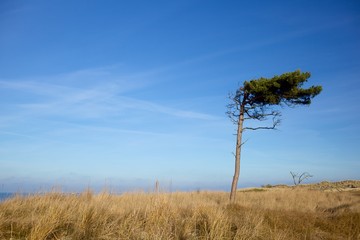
[(265, 213)]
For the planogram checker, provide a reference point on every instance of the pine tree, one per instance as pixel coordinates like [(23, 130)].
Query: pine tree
[(259, 100)]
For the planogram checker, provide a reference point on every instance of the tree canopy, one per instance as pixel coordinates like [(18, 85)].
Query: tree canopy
[(259, 95), (285, 88)]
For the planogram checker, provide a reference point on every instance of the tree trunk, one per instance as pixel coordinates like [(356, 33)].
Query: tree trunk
[(237, 155)]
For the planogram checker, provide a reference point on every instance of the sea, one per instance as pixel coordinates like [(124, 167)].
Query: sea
[(5, 195)]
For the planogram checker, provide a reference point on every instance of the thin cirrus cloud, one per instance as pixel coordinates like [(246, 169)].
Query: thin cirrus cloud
[(275, 39), (87, 94)]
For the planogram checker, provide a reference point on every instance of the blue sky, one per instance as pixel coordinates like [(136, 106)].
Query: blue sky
[(118, 94)]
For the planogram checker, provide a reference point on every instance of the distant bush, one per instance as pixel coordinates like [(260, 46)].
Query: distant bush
[(254, 190)]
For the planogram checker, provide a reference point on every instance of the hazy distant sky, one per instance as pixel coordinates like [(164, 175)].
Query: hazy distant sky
[(118, 94)]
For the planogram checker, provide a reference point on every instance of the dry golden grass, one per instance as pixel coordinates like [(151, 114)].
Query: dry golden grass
[(272, 214)]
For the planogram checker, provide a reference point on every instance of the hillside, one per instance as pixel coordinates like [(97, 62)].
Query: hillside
[(346, 185)]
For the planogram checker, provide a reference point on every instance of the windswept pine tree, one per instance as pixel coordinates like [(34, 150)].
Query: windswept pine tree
[(258, 100)]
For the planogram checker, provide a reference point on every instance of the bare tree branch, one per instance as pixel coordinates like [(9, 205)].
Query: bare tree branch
[(243, 142), (299, 178), (293, 176), (304, 176), (258, 128), (276, 122)]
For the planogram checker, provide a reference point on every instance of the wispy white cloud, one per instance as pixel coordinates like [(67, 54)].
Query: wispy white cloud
[(16, 134), (264, 42), (91, 93), (158, 108), (20, 9)]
